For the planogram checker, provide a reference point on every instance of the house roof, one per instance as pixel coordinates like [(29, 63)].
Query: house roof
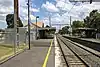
[(39, 25)]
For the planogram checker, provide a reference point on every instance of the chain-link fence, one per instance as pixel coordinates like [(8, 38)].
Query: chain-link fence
[(10, 45)]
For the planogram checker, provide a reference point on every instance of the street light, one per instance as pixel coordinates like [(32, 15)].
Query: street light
[(36, 26)]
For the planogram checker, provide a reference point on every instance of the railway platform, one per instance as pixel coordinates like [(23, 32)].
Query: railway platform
[(91, 39), (40, 55), (87, 39)]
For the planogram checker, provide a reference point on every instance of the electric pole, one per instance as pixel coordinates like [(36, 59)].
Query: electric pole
[(28, 23), (70, 26), (50, 20), (16, 12), (49, 16)]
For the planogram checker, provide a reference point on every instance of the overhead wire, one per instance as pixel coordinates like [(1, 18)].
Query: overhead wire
[(72, 7)]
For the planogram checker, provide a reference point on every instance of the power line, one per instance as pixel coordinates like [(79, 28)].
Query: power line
[(72, 7)]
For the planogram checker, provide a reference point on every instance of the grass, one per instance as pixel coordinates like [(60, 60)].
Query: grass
[(7, 50)]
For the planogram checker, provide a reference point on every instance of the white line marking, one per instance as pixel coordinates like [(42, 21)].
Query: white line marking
[(57, 54)]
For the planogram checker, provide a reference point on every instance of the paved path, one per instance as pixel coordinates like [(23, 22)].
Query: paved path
[(34, 57)]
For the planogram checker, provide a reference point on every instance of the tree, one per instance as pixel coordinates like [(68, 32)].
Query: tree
[(65, 30), (47, 26), (87, 21), (93, 20), (77, 24), (10, 21), (60, 32)]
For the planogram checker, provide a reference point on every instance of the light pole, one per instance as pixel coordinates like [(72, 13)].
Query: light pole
[(36, 26), (28, 23)]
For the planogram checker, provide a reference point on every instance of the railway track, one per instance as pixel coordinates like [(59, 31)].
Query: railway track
[(80, 57)]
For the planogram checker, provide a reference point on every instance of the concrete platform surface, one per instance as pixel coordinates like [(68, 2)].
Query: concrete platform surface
[(87, 39), (91, 39), (34, 57)]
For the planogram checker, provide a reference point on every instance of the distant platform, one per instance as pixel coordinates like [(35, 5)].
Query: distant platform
[(51, 28)]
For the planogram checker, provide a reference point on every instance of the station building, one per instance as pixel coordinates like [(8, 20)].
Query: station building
[(42, 32), (86, 32)]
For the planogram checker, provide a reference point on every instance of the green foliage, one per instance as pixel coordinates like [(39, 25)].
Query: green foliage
[(77, 24), (93, 20), (47, 26), (10, 21), (60, 32), (64, 30)]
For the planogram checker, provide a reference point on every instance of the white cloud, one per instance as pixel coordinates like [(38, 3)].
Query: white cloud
[(35, 10), (7, 7), (78, 12), (2, 21), (50, 7), (32, 17), (59, 10), (45, 21), (6, 3), (24, 11)]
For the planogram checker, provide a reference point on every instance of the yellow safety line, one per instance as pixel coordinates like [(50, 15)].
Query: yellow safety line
[(47, 56)]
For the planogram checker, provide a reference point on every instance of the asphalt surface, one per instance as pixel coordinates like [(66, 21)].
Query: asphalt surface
[(34, 57)]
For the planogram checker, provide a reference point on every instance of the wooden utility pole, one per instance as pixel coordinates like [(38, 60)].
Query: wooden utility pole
[(29, 24), (16, 12)]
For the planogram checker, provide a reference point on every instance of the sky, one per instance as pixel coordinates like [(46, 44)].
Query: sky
[(58, 10)]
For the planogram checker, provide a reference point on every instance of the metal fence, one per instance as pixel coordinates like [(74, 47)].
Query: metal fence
[(9, 36), (7, 42)]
